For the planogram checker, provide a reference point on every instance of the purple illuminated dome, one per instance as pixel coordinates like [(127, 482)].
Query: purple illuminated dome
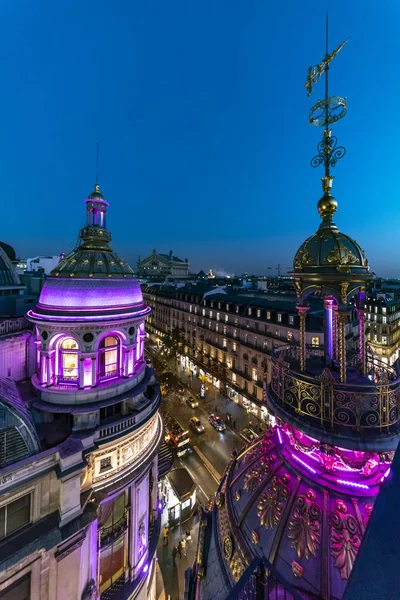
[(92, 278)]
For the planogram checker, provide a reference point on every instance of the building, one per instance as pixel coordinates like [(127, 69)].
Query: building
[(79, 442), (42, 263), (292, 508), (383, 322), (232, 336), (159, 267)]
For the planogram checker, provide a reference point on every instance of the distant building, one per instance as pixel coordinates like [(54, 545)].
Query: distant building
[(160, 266), (42, 263)]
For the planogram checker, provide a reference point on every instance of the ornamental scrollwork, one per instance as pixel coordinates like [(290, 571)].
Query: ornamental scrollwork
[(305, 526), (255, 475), (345, 539), (342, 256), (273, 501)]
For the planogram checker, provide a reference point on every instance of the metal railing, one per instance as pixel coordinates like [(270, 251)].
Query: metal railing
[(326, 401), (111, 533), (65, 380), (106, 375)]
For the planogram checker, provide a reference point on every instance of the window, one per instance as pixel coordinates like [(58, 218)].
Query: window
[(216, 327), (249, 311), (384, 320), (204, 312), (384, 310), (254, 374), (185, 504), (15, 515), (226, 318), (234, 377), (237, 308), (268, 314), (277, 332), (384, 339), (20, 590), (289, 336), (234, 333), (258, 312), (234, 346), (315, 341), (219, 305), (224, 343), (279, 318), (217, 316), (227, 307), (109, 351), (291, 320), (210, 314), (105, 464), (69, 360), (190, 308), (225, 329)]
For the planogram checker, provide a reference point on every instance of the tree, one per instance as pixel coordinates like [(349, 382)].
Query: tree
[(174, 341)]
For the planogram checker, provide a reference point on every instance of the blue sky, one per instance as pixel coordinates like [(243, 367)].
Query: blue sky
[(202, 119)]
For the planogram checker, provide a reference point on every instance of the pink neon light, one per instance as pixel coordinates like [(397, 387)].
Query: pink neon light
[(138, 313), (83, 294), (304, 464), (353, 484), (385, 474), (279, 434)]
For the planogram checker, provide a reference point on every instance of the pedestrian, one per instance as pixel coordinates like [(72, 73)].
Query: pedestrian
[(183, 546), (166, 532), (180, 549), (188, 535), (174, 553)]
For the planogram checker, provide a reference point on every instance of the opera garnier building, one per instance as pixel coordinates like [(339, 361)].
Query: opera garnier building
[(292, 508), (79, 442)]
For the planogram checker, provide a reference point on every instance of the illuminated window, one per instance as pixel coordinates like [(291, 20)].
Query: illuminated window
[(210, 314), (291, 319), (237, 309), (234, 346), (234, 377), (315, 341), (217, 316), (227, 307), (279, 318), (384, 320), (258, 312), (249, 311), (109, 351), (204, 312), (289, 336), (268, 314), (190, 308), (254, 374), (224, 343), (226, 318), (69, 360), (384, 310), (384, 339)]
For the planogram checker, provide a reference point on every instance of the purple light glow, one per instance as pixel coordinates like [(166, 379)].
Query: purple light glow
[(82, 294), (353, 484), (94, 317), (386, 474), (159, 505), (279, 434), (304, 464), (146, 568)]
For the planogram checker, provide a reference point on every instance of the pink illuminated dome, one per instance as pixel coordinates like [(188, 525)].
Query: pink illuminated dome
[(92, 278)]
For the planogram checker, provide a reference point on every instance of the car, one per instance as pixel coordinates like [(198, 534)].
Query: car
[(217, 422), (196, 425), (192, 402), (248, 435)]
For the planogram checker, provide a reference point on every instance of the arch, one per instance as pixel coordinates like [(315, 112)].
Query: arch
[(67, 360), (109, 353)]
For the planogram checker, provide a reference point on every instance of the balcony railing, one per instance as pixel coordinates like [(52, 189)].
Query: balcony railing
[(112, 374), (66, 381), (111, 533), (324, 401)]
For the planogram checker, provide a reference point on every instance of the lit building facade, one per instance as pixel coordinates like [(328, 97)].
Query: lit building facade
[(163, 266), (383, 324), (78, 464), (232, 336), (292, 508)]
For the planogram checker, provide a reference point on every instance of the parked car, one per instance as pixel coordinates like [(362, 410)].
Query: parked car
[(192, 402), (247, 434), (196, 425), (217, 422)]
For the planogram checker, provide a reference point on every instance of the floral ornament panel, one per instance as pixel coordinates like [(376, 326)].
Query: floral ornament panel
[(273, 501), (255, 475), (304, 526), (345, 539)]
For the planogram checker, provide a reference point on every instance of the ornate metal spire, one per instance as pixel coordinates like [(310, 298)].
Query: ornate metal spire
[(325, 113)]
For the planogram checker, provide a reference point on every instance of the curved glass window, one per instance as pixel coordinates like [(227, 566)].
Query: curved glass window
[(109, 357), (68, 363)]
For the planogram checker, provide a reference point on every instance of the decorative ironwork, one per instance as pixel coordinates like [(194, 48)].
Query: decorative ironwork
[(328, 152), (109, 534), (328, 112), (374, 408), (305, 526), (345, 539), (255, 475)]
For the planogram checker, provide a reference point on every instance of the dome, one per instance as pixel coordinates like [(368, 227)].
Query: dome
[(92, 278), (329, 250), (305, 516), (8, 275), (9, 250)]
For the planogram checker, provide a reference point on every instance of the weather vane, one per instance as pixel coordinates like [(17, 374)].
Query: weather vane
[(324, 113)]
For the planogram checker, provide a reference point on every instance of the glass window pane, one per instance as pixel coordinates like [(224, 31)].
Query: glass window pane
[(20, 590), (18, 513), (2, 522), (69, 344)]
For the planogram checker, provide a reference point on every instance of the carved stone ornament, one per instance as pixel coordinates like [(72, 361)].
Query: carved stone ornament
[(220, 499), (345, 539), (304, 526), (272, 502), (255, 538), (342, 256), (255, 475), (343, 292), (227, 547), (237, 495), (141, 538), (297, 569)]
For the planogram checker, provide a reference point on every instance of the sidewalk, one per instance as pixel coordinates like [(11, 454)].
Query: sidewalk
[(173, 574)]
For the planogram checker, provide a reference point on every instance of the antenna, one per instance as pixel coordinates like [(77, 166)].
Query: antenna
[(97, 163)]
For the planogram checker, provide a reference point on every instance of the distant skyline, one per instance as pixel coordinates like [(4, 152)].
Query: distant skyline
[(202, 118)]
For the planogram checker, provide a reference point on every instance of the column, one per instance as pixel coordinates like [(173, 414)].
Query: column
[(335, 336), (362, 341), (48, 371), (342, 345), (81, 372), (94, 374), (126, 362), (328, 330), (302, 310)]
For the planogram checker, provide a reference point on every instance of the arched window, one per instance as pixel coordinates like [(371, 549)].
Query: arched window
[(109, 357), (68, 362)]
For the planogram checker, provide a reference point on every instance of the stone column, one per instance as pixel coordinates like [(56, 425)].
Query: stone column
[(48, 371), (94, 374), (302, 310), (342, 345), (362, 341), (81, 372), (335, 336), (329, 325)]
